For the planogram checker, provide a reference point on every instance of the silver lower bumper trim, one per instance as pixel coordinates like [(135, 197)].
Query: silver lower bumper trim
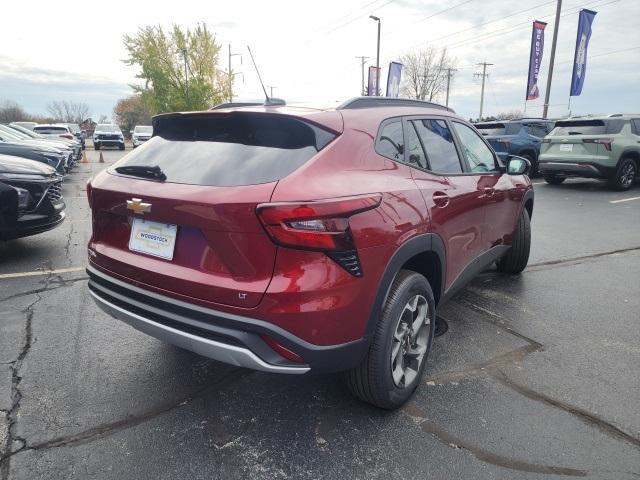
[(230, 354)]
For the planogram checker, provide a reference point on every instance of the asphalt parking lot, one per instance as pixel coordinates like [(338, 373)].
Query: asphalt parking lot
[(537, 376)]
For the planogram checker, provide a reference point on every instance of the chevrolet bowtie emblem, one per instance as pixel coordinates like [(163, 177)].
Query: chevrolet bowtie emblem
[(138, 206)]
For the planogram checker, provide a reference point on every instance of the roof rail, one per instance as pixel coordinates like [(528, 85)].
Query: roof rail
[(376, 102)]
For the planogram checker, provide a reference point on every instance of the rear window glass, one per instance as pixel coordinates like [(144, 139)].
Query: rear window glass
[(588, 127), (228, 150), (140, 129), (50, 130), (499, 128)]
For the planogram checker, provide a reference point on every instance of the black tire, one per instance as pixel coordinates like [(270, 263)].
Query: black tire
[(516, 259), (534, 164), (625, 175), (96, 146), (554, 180), (372, 380)]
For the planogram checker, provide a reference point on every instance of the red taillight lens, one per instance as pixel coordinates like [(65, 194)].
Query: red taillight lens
[(67, 135), (282, 350), (605, 142), (320, 225)]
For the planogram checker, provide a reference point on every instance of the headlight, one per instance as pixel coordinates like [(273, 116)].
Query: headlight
[(23, 198)]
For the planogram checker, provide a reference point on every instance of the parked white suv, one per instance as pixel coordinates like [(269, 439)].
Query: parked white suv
[(140, 134), (108, 135)]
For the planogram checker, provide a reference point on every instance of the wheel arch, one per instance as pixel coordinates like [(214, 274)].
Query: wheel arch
[(630, 153), (424, 254)]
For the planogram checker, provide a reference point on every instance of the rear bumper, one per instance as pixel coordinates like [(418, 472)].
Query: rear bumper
[(222, 336), (574, 169)]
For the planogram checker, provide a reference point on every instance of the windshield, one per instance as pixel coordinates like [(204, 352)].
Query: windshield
[(11, 133), (143, 129), (25, 131), (108, 128), (229, 150)]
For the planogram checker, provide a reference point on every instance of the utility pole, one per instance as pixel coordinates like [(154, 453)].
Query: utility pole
[(377, 19), (231, 74), (484, 75), (363, 61), (449, 74), (545, 109), (186, 77)]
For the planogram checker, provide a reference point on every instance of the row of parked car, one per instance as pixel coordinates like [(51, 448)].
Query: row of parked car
[(606, 148), (34, 159)]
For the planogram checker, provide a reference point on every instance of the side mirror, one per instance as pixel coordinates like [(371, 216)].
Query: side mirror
[(518, 165)]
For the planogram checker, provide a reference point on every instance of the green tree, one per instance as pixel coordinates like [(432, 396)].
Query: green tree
[(131, 111), (179, 68)]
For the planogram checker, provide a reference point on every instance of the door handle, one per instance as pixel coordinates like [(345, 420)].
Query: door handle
[(441, 199)]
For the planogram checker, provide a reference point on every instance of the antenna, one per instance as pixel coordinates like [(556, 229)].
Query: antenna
[(268, 101)]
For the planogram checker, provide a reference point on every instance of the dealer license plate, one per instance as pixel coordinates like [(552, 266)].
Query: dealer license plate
[(566, 147), (153, 238)]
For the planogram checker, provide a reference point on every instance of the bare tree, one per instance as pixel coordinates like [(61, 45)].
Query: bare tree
[(69, 112), (424, 75), (11, 111), (510, 115)]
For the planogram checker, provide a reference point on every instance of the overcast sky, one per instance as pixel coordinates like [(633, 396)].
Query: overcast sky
[(50, 51)]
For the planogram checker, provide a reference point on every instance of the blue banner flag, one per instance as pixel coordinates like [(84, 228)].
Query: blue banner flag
[(372, 87), (535, 59), (393, 79), (580, 57)]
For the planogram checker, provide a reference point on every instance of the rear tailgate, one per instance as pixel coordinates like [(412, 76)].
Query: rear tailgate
[(576, 138), (218, 168)]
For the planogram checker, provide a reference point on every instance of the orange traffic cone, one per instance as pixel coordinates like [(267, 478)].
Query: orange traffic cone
[(101, 158), (84, 157)]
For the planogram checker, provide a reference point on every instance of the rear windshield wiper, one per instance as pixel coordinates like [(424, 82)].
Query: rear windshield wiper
[(143, 171)]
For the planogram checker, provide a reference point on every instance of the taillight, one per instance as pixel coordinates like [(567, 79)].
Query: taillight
[(319, 225), (67, 135), (605, 142), (281, 349)]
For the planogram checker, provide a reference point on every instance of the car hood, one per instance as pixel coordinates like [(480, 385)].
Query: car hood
[(11, 164), (103, 132), (37, 147)]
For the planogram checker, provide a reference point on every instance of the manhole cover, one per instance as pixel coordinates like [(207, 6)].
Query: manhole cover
[(441, 326)]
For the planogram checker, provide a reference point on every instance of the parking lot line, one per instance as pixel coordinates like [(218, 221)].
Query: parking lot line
[(36, 273), (624, 200)]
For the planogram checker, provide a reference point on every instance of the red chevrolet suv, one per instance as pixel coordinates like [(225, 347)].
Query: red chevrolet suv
[(295, 240)]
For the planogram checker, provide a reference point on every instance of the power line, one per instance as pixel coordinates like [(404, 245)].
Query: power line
[(358, 17), (431, 16)]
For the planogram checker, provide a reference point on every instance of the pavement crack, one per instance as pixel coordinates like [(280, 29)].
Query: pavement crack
[(67, 247), (61, 283), (586, 417), (450, 440), (574, 260), (16, 394), (106, 429)]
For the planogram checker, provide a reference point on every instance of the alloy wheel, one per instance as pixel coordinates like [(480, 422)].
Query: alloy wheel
[(627, 174), (410, 341)]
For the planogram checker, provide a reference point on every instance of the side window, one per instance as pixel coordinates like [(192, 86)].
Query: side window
[(635, 123), (414, 148), (440, 149), (391, 142), (479, 156), (537, 130)]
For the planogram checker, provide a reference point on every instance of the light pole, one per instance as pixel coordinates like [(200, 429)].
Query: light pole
[(377, 19)]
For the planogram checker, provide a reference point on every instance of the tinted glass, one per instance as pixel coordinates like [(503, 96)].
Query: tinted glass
[(440, 149), (391, 142), (479, 156), (492, 129), (49, 130), (229, 150), (636, 126), (580, 127), (140, 129), (539, 131), (415, 151)]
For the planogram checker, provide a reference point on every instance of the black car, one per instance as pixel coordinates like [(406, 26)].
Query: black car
[(30, 198), (47, 155)]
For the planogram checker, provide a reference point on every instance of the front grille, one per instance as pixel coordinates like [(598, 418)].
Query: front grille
[(54, 193)]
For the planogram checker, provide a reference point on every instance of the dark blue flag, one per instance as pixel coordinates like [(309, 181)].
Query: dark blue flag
[(580, 57)]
